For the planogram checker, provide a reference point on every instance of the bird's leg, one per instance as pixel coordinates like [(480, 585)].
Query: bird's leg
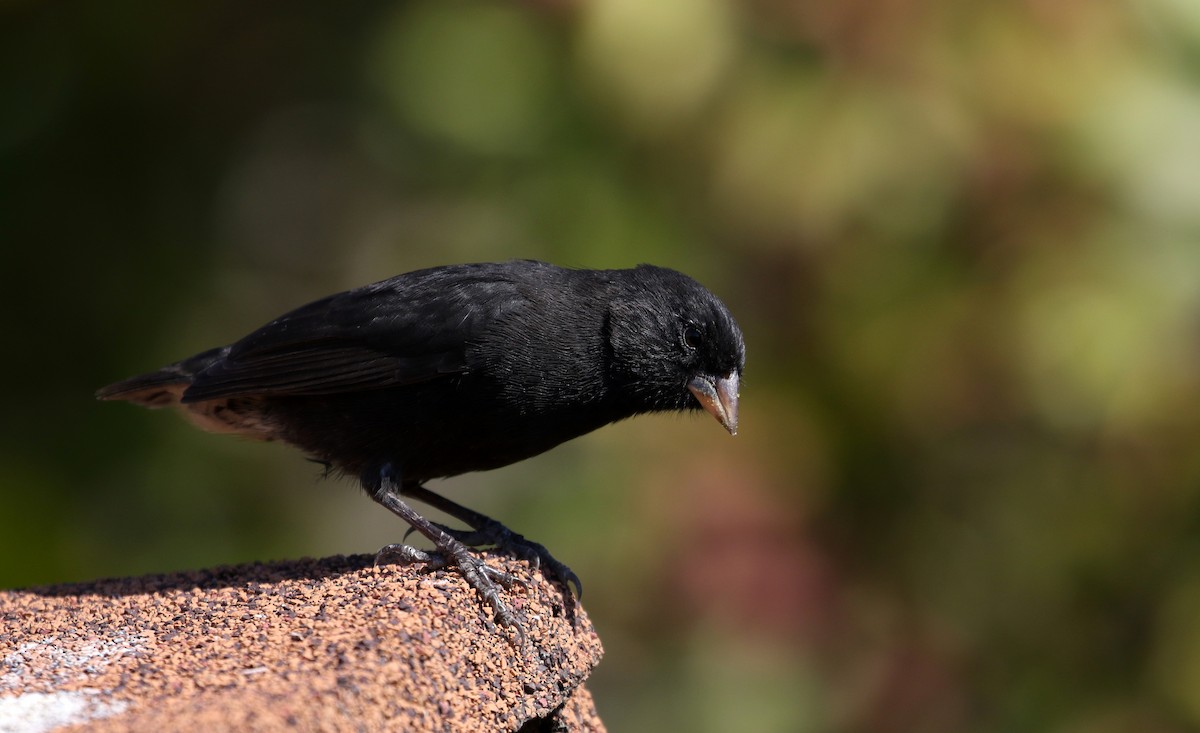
[(489, 532), (451, 551)]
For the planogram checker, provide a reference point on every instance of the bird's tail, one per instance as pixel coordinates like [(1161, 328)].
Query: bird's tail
[(164, 387)]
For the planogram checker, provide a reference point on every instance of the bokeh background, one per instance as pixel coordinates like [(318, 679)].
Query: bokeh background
[(963, 240)]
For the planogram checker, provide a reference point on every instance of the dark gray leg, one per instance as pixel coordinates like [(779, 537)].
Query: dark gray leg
[(489, 532), (451, 551)]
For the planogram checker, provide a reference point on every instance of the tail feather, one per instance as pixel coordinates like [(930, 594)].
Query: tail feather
[(164, 387)]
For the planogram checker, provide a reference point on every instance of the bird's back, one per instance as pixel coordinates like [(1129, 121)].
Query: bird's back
[(440, 371)]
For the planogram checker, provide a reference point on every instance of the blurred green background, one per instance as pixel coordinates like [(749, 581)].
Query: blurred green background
[(963, 240)]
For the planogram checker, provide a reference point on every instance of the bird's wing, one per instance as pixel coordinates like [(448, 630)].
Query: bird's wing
[(410, 329)]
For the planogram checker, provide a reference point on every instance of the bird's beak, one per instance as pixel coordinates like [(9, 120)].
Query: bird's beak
[(719, 397)]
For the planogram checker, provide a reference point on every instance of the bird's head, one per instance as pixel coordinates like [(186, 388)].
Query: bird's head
[(675, 346)]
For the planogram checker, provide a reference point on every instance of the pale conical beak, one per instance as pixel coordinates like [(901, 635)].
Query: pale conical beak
[(719, 397)]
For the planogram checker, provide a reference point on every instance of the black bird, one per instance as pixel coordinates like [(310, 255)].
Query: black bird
[(462, 368)]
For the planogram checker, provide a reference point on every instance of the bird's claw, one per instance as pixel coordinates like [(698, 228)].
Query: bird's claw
[(478, 574), (408, 555), (495, 534)]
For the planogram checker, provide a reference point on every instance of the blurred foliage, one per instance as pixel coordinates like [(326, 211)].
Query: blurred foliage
[(963, 239)]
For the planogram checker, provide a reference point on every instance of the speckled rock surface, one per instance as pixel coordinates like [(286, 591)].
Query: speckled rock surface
[(327, 645)]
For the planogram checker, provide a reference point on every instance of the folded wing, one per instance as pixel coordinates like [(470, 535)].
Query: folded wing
[(406, 330)]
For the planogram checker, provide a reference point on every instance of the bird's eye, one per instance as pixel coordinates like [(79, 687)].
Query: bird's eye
[(692, 337)]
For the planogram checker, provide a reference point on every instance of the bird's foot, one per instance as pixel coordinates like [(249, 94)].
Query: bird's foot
[(485, 579), (493, 534), (486, 532)]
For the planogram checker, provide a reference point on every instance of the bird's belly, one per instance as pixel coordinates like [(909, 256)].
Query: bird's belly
[(424, 435)]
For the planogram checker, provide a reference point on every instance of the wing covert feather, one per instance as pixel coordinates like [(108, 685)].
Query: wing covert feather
[(409, 329)]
